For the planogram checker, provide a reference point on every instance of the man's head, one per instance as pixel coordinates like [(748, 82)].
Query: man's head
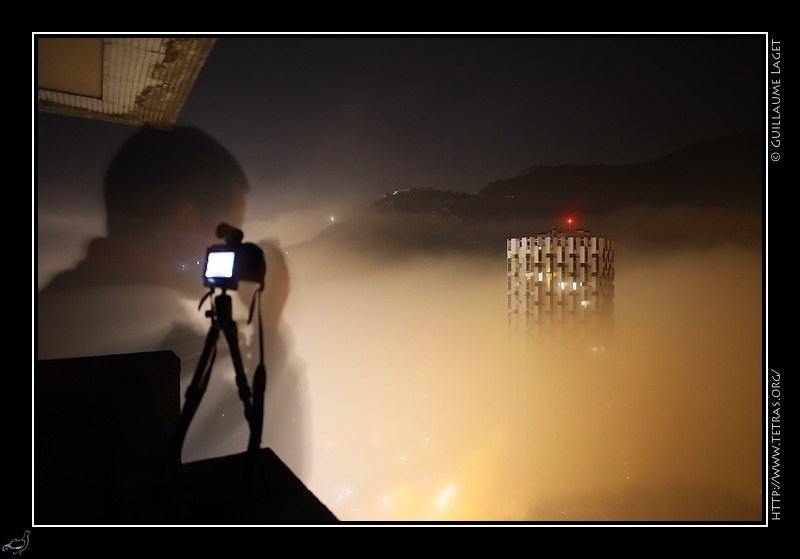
[(167, 191)]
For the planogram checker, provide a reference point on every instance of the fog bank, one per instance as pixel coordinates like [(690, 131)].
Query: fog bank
[(424, 407)]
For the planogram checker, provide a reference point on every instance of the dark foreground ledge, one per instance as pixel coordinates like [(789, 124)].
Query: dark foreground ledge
[(101, 428)]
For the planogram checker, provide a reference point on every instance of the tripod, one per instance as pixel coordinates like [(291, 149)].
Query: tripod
[(222, 321)]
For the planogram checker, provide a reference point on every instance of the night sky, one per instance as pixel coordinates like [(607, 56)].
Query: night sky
[(339, 121), (324, 126)]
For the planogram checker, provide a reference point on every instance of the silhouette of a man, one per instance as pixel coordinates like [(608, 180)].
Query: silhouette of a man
[(165, 193), (138, 288)]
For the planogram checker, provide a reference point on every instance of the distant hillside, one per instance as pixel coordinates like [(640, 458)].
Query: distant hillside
[(717, 181), (725, 172)]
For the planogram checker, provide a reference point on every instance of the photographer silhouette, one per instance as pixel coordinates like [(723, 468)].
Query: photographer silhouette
[(137, 289), (165, 192)]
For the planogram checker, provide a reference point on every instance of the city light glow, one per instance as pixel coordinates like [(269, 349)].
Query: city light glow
[(445, 495), (525, 429)]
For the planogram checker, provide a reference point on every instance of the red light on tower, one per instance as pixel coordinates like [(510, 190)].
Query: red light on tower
[(569, 224)]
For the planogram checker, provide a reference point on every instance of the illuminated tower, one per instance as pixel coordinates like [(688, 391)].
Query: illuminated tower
[(561, 282)]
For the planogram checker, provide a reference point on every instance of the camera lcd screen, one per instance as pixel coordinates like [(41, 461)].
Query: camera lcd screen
[(220, 264)]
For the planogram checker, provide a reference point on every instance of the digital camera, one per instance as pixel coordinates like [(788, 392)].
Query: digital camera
[(229, 263)]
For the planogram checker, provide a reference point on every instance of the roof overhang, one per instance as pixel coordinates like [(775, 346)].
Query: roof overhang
[(137, 81)]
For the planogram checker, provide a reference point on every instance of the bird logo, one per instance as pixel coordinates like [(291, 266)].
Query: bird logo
[(17, 546)]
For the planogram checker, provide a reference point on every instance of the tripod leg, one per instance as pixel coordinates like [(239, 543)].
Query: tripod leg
[(194, 393), (259, 387), (254, 471), (167, 493), (232, 337)]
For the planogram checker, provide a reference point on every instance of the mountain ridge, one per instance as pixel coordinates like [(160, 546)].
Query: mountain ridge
[(721, 178), (721, 171)]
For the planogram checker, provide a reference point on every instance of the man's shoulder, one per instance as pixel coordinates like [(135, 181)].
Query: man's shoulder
[(113, 318)]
